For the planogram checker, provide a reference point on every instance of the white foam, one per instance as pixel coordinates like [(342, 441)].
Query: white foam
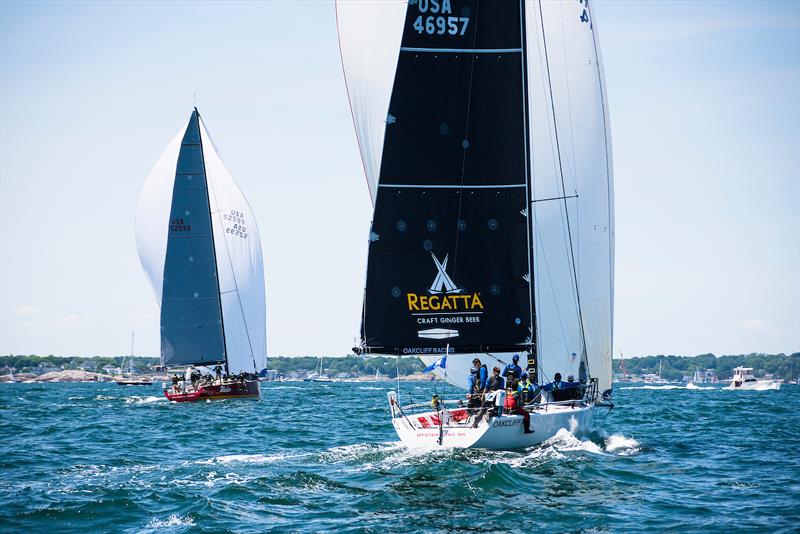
[(172, 521), (564, 440), (759, 387), (145, 400), (621, 444), (248, 459)]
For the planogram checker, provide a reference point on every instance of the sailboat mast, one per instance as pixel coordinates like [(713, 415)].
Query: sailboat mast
[(533, 364), (213, 245), (130, 361)]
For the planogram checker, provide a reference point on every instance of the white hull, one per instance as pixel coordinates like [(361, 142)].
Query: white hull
[(759, 385), (499, 432)]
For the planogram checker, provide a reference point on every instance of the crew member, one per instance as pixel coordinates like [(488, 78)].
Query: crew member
[(495, 390), (478, 374), (574, 389), (218, 372), (557, 388), (513, 366), (527, 390), (476, 382)]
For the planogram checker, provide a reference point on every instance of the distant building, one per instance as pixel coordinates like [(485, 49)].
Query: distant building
[(271, 374)]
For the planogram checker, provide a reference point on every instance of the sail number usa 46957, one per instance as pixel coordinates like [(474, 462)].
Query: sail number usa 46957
[(436, 22)]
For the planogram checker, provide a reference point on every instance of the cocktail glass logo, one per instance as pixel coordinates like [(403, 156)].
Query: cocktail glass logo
[(444, 294), (442, 280)]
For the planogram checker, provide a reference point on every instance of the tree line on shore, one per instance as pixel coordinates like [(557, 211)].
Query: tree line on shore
[(672, 367)]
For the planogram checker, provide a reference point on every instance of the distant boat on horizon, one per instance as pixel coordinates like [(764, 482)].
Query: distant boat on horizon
[(199, 246), (130, 380), (744, 379)]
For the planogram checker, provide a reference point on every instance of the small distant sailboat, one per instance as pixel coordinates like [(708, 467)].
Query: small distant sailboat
[(199, 246), (130, 379), (655, 378), (11, 377), (457, 107), (318, 375)]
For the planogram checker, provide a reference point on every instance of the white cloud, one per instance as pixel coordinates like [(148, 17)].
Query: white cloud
[(26, 310)]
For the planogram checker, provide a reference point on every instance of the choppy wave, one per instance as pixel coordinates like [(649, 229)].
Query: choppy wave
[(325, 458)]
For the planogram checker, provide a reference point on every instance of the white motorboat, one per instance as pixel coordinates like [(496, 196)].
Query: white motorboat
[(743, 378), (457, 106)]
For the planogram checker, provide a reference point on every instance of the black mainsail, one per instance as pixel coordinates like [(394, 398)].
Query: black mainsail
[(450, 245)]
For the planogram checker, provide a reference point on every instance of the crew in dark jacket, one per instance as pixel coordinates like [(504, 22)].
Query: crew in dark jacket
[(513, 367), (558, 389)]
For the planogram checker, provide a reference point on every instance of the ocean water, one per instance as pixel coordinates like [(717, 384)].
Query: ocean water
[(324, 458)]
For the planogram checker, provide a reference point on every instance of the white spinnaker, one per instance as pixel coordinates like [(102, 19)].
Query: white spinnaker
[(370, 33), (240, 265), (570, 139), (152, 215)]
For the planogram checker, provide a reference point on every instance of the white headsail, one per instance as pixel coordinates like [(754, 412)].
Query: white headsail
[(571, 157), (369, 42)]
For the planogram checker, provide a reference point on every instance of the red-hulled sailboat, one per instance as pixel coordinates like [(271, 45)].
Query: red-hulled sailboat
[(199, 246)]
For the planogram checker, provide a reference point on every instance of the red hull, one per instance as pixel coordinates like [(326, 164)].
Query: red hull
[(249, 389)]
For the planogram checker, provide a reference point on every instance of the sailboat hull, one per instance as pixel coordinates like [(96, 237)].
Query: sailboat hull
[(504, 432), (249, 389)]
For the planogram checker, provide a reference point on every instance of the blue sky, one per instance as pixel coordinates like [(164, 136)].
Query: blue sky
[(705, 114)]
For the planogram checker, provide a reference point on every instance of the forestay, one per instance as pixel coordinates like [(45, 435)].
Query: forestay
[(199, 246)]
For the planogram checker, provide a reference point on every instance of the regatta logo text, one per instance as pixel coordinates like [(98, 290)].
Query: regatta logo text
[(444, 302), (443, 294)]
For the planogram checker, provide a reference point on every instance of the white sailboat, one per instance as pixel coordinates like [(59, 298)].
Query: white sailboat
[(199, 246), (318, 375), (130, 379), (483, 132), (655, 378)]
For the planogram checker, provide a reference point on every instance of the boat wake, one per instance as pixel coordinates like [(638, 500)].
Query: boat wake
[(760, 387), (246, 459), (144, 400), (392, 455)]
